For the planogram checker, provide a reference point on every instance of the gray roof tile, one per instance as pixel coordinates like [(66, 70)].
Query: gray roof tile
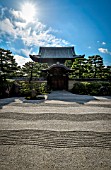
[(57, 52)]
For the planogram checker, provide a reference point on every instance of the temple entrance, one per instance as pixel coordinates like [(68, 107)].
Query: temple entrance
[(57, 77), (58, 82)]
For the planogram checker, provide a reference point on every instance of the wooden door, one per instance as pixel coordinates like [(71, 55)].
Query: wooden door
[(58, 83)]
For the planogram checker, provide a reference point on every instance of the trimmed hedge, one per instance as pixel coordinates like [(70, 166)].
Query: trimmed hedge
[(26, 88), (10, 88), (92, 88)]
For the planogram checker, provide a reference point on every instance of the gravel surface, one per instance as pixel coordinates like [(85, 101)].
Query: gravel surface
[(63, 132)]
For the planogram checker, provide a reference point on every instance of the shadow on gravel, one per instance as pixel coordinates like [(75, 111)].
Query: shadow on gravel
[(66, 96), (107, 97), (55, 116), (58, 96), (18, 101), (6, 101)]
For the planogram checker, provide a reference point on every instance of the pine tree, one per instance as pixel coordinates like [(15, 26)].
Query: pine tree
[(33, 69), (79, 67), (68, 63), (96, 66), (8, 66)]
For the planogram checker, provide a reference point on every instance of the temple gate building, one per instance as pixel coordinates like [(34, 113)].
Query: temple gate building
[(57, 73), (52, 55)]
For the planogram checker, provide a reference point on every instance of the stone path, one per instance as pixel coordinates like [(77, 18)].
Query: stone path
[(74, 131)]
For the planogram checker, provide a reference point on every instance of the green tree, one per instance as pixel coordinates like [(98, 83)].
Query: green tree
[(33, 69), (8, 66), (68, 63), (95, 66), (107, 72), (79, 67), (43, 66)]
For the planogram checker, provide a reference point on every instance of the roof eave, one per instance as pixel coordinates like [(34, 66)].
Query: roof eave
[(34, 57), (79, 56)]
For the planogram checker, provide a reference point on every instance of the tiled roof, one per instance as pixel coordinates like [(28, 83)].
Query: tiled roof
[(56, 52)]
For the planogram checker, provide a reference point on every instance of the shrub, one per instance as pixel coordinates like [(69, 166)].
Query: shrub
[(43, 88), (92, 88), (79, 88), (25, 89)]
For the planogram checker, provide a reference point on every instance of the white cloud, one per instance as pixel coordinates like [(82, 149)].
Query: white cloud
[(2, 11), (39, 35), (26, 52), (16, 14), (43, 39), (31, 33), (7, 27), (103, 43), (21, 60), (104, 50), (20, 24)]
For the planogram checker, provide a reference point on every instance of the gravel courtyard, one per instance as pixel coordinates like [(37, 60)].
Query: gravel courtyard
[(63, 132)]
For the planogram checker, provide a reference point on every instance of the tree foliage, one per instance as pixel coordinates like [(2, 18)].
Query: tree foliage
[(96, 66), (8, 66), (92, 67), (68, 63), (79, 67), (33, 69)]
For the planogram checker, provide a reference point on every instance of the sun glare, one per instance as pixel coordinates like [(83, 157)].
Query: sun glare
[(28, 11)]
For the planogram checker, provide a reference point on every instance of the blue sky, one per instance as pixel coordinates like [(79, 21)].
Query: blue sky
[(85, 24)]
